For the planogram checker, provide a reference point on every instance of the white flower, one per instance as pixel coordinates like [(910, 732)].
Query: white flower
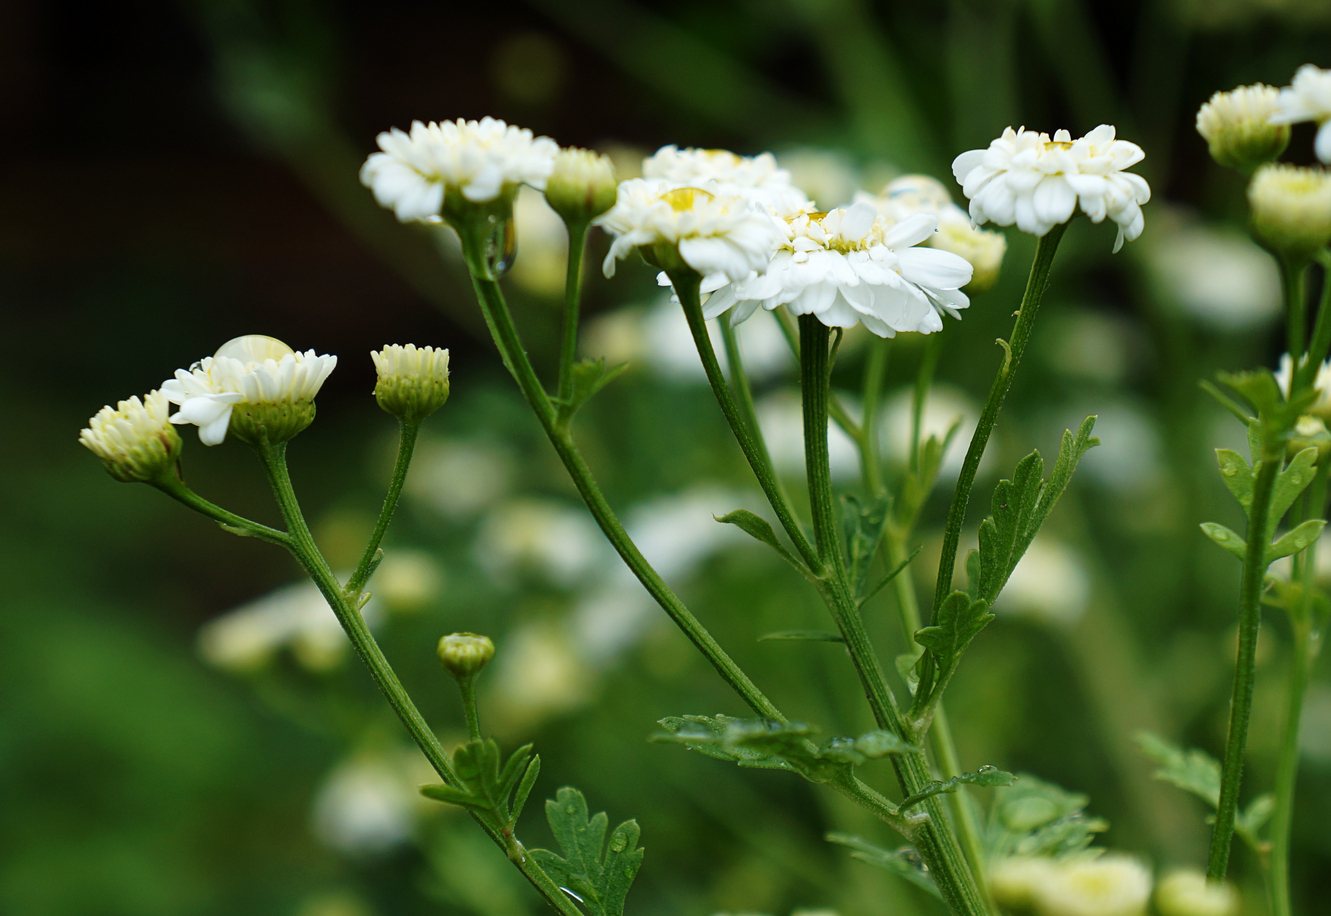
[(1308, 98), (1017, 882), (714, 233), (368, 804), (1037, 183), (559, 541), (1322, 406), (252, 371), (756, 178), (413, 381), (1188, 893), (1291, 208), (1050, 584), (1238, 129), (1112, 885), (478, 159), (134, 439), (853, 267)]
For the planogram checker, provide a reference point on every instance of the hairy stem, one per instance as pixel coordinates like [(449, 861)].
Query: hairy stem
[(568, 350), (874, 370), (175, 488), (406, 446)]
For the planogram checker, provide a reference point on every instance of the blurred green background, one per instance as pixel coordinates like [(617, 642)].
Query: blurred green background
[(177, 174)]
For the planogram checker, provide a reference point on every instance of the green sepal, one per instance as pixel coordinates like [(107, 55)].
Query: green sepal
[(984, 776), (589, 376), (905, 862), (758, 528), (598, 873)]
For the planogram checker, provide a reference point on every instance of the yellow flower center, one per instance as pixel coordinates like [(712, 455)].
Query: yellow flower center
[(681, 199)]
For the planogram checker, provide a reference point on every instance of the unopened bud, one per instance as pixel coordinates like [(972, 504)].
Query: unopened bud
[(413, 381), (1188, 893), (1291, 209), (1235, 126), (983, 248), (135, 439), (465, 654), (582, 186)]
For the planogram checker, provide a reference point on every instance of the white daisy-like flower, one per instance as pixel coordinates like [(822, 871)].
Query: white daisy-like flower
[(134, 439), (1026, 178), (715, 233), (1112, 885), (477, 159), (257, 380), (1308, 98), (413, 381), (757, 178), (1237, 126), (853, 267)]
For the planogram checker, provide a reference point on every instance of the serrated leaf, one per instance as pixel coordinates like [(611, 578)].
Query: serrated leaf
[(600, 874), (959, 620), (1225, 539), (984, 776), (904, 861), (1237, 475), (1035, 818), (1294, 541), (758, 528), (1192, 770), (589, 376), (1258, 388), (811, 635), (486, 788), (1292, 481), (864, 526)]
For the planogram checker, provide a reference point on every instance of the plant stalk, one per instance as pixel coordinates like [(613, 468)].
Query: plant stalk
[(405, 448), (1287, 763), (568, 350)]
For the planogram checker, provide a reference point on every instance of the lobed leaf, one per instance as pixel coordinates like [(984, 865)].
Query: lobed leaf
[(1237, 475), (1191, 770), (1226, 539), (864, 526), (1037, 818), (1302, 537), (904, 862), (984, 776), (758, 528), (599, 873), (486, 788), (1292, 481)]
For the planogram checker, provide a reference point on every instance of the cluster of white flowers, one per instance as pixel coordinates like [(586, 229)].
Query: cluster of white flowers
[(478, 159), (852, 267), (755, 178), (249, 372), (1308, 98), (1026, 178), (1111, 885)]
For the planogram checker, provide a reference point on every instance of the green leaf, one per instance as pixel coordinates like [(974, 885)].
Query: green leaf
[(1192, 770), (1237, 475), (1291, 482), (1250, 821), (880, 743), (904, 862), (959, 620), (1226, 539), (757, 527), (811, 635), (486, 788), (589, 377), (984, 776), (599, 874), (864, 527), (1037, 818), (882, 583), (1294, 541)]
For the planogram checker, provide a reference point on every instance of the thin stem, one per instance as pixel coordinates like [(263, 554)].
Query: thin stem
[(874, 370), (1293, 275), (467, 685), (1016, 345), (1321, 342), (1250, 619), (925, 378), (303, 548), (687, 288), (568, 351), (175, 488), (405, 447), (1287, 764)]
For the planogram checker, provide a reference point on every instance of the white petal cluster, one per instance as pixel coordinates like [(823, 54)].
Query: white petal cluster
[(1112, 885), (715, 232), (477, 159), (134, 439), (853, 267), (1026, 178), (413, 381), (1188, 893), (1322, 406), (251, 370), (1308, 98), (1238, 129), (756, 178), (1291, 208)]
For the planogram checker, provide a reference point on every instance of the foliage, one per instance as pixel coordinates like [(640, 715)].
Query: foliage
[(598, 874)]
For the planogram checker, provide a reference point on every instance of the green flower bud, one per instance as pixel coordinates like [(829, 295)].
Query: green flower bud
[(582, 186), (413, 381), (1291, 209), (135, 439), (1187, 893), (1235, 127), (465, 654)]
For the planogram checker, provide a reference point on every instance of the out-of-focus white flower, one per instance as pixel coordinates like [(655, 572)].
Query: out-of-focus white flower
[(1090, 345), (1112, 885), (1219, 277), (407, 580), (538, 672), (1037, 183), (413, 381), (1308, 98), (478, 159), (544, 242), (295, 615), (367, 804), (1188, 893), (1017, 882), (460, 478), (1291, 208), (1315, 727), (943, 407), (713, 233), (556, 540), (251, 384), (781, 418), (134, 439), (1238, 129), (829, 177), (853, 267), (721, 172), (1284, 377), (1050, 584), (1128, 458)]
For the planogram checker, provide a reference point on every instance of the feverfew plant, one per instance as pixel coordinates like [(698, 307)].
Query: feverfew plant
[(729, 234)]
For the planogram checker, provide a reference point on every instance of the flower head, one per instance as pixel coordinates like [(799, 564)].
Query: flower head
[(1322, 406), (582, 185), (756, 178), (1028, 179), (713, 233), (413, 381), (1308, 98), (1112, 885), (478, 159), (1291, 208), (1237, 126), (465, 654), (255, 386), (134, 439), (853, 267), (1188, 893)]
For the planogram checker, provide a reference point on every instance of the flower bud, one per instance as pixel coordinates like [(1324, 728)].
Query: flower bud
[(1187, 893), (135, 439), (1310, 432), (1291, 209), (1016, 883), (413, 381), (582, 186), (983, 248), (1235, 126), (465, 654)]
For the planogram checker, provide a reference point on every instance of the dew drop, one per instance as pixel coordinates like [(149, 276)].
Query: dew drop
[(501, 248), (618, 842)]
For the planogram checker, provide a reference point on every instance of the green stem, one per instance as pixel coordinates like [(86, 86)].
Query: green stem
[(934, 839), (923, 381), (1293, 275), (303, 548), (406, 446), (568, 351), (1250, 619), (1287, 764), (1016, 345), (175, 488), (1321, 342), (874, 370), (686, 283), (468, 687)]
